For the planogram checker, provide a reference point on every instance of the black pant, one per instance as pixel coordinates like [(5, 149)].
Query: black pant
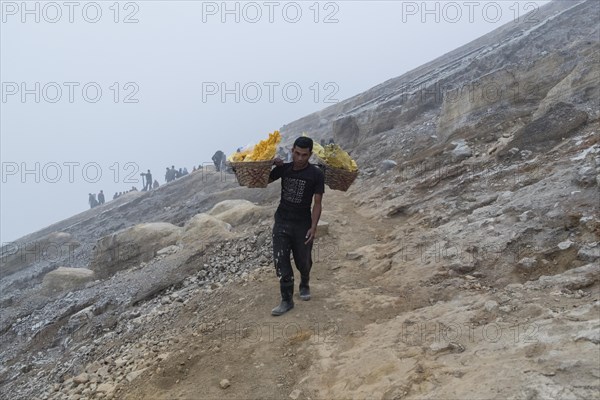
[(289, 236)]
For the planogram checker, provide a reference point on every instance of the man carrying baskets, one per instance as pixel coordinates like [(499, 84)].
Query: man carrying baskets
[(295, 226)]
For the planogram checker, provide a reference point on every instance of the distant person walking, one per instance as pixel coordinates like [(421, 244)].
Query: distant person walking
[(101, 197), (219, 160), (92, 200), (148, 184), (171, 174)]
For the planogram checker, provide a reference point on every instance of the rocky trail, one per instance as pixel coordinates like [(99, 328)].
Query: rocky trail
[(383, 325), (463, 263), (234, 324)]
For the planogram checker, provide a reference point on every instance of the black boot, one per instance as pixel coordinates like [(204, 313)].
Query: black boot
[(287, 301), (304, 289)]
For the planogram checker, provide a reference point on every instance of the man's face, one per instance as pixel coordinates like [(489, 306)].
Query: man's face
[(300, 156)]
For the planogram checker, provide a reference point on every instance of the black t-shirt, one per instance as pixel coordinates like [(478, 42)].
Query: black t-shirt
[(297, 190)]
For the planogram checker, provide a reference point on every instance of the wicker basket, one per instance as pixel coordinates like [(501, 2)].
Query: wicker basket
[(253, 174), (337, 178)]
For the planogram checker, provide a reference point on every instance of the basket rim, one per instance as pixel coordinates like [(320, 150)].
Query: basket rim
[(261, 162)]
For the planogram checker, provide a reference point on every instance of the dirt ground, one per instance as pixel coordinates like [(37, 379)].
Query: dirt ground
[(264, 356), (369, 333)]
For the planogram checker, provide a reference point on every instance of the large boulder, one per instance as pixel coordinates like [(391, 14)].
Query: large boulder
[(132, 246), (387, 165), (461, 150), (203, 229), (239, 212), (346, 131), (63, 279)]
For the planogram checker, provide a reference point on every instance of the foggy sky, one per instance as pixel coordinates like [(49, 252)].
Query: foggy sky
[(165, 60)]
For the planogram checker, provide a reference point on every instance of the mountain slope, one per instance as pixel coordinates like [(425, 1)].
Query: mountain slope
[(468, 270)]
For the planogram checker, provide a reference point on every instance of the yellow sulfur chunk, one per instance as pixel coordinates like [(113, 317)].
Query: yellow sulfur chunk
[(264, 150), (318, 150), (338, 158), (334, 156)]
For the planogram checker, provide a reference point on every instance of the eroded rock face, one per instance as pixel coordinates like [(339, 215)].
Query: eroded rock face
[(581, 84), (66, 279), (19, 255), (491, 87), (574, 279), (558, 123), (131, 246)]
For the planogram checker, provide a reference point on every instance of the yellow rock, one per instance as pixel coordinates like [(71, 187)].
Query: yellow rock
[(334, 156), (264, 150)]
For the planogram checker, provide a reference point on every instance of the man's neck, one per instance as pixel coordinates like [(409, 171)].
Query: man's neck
[(298, 169)]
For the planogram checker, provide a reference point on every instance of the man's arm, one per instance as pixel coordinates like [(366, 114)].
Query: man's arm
[(273, 176), (316, 214)]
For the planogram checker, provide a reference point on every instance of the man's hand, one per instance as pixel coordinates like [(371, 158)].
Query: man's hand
[(310, 235), (278, 161)]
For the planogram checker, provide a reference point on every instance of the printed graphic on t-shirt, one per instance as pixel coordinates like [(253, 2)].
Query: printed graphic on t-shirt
[(293, 190)]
